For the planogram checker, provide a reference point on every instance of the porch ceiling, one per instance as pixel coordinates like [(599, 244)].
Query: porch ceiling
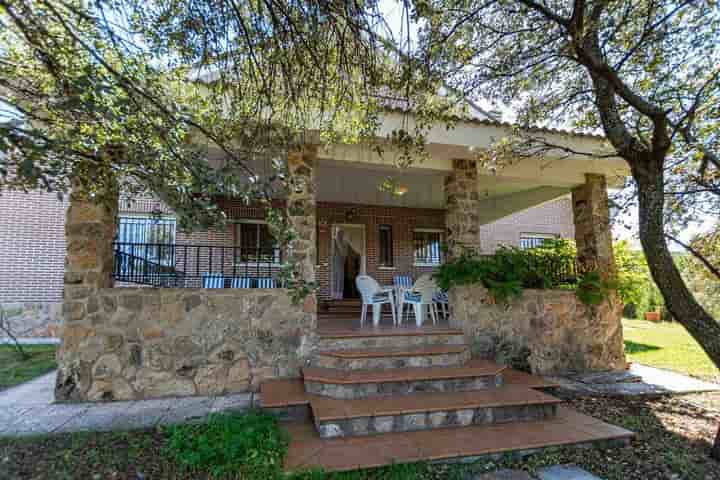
[(345, 182)]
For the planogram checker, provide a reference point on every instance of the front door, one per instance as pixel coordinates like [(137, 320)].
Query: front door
[(348, 255)]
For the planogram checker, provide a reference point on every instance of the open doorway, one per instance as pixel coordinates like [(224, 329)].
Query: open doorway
[(348, 259)]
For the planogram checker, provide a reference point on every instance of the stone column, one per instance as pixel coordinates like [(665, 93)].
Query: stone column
[(89, 231), (592, 226), (462, 201), (301, 205)]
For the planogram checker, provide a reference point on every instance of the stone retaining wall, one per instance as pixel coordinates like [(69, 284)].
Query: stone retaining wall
[(33, 319), (138, 343), (562, 334)]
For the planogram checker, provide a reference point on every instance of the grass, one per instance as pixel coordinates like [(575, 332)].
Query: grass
[(667, 345), (673, 442), (15, 370)]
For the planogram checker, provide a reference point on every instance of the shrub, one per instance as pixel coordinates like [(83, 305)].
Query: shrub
[(509, 270), (250, 445)]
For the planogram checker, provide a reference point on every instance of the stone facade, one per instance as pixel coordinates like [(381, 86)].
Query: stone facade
[(462, 201), (593, 235), (412, 422), (562, 334), (302, 206), (138, 343), (33, 319)]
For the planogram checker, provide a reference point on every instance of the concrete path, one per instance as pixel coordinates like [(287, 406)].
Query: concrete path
[(32, 341), (28, 410), (557, 472), (639, 380)]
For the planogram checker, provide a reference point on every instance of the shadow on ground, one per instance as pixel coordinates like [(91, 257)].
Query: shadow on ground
[(634, 347)]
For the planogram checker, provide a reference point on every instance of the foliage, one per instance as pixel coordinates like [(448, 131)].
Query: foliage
[(700, 280), (15, 370), (250, 445), (592, 288), (6, 330), (502, 273), (512, 354), (506, 272)]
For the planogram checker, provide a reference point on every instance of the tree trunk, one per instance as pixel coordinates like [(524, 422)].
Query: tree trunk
[(678, 299)]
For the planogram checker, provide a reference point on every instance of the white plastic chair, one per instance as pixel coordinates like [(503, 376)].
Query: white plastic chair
[(422, 294), (373, 294)]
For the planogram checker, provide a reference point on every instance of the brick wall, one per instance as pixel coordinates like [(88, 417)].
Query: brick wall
[(32, 237), (403, 222), (32, 246), (553, 217)]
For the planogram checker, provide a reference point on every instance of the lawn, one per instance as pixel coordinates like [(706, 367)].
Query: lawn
[(15, 370), (667, 345), (673, 443)]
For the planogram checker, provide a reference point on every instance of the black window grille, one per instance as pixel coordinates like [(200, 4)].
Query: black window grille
[(152, 232), (385, 246), (532, 241), (427, 246)]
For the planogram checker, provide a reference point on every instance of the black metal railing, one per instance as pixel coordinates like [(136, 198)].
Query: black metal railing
[(196, 266)]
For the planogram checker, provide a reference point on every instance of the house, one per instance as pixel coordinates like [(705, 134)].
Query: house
[(149, 311), (216, 319)]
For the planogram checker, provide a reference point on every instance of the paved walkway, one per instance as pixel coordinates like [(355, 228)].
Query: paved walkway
[(28, 409), (557, 472), (639, 380)]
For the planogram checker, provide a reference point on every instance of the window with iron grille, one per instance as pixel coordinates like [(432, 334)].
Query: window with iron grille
[(257, 245), (533, 240), (427, 246), (148, 237), (385, 246)]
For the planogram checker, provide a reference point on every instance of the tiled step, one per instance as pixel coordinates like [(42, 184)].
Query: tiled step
[(393, 357), (334, 383), (308, 451), (424, 411), (342, 339)]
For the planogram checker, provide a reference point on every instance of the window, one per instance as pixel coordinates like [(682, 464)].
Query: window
[(532, 240), (257, 245), (385, 246), (427, 246), (148, 237)]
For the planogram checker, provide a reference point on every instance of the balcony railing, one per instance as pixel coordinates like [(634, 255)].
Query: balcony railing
[(196, 266)]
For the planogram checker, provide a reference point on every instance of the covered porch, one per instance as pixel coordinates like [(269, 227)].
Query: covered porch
[(217, 317)]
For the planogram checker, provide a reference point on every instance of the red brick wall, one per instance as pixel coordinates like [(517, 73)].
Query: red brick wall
[(32, 246), (403, 222)]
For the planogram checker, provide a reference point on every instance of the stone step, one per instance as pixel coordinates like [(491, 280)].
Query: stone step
[(342, 339), (423, 411), (334, 383), (393, 357)]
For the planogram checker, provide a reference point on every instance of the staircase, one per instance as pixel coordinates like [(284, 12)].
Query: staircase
[(397, 386)]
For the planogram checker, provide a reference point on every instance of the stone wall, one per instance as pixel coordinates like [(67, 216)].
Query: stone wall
[(562, 334), (462, 201), (33, 319), (137, 343)]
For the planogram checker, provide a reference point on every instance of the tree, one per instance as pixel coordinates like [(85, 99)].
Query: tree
[(645, 73), (162, 82)]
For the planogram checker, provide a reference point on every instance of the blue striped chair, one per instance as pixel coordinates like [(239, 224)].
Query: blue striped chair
[(401, 283), (213, 280), (265, 282), (241, 282)]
